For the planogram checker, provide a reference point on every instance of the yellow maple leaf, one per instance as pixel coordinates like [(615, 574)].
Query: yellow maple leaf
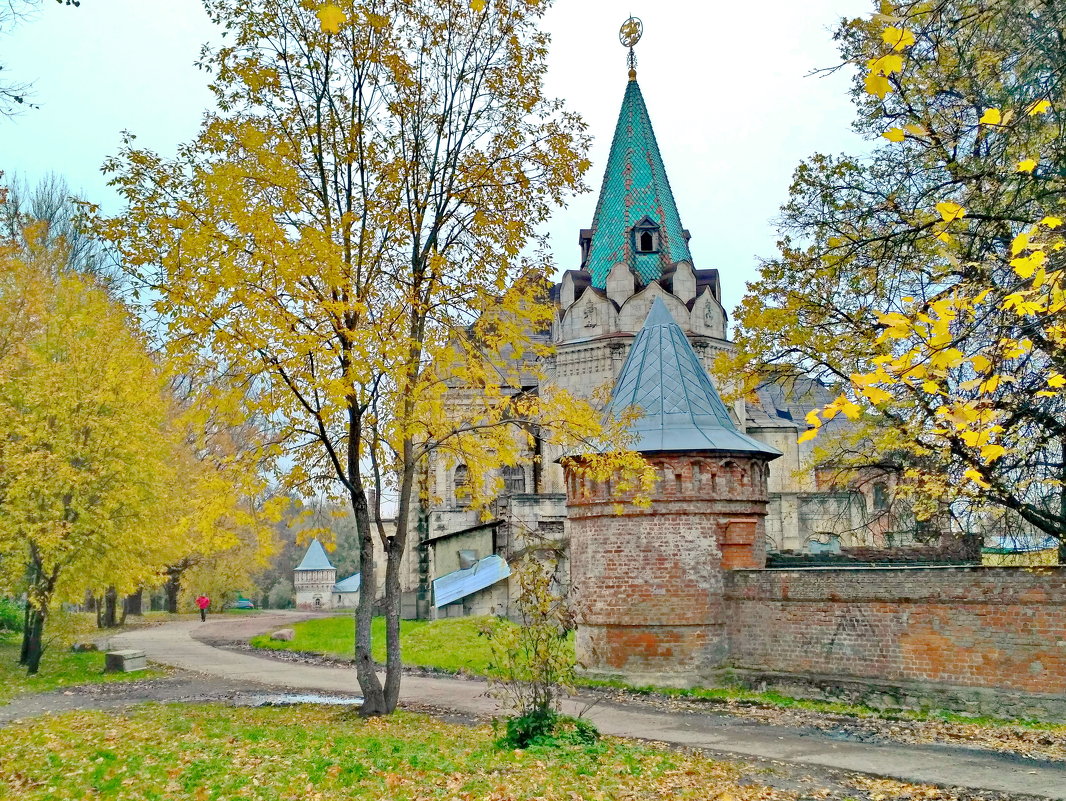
[(894, 135), (807, 435), (877, 85), (1051, 222), (1025, 266), (1056, 380), (477, 5), (975, 477), (992, 116), (1027, 165), (875, 395), (897, 38), (886, 65), (950, 211), (989, 453), (1020, 243), (330, 18), (1040, 107), (917, 130)]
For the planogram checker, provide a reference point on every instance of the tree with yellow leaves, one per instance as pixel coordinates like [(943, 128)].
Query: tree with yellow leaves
[(349, 237), (84, 453), (926, 279)]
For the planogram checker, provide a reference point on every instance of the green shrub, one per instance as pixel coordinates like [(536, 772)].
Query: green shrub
[(547, 728), (11, 615)]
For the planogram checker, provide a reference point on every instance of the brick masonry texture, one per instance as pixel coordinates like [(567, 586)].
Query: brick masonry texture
[(648, 581), (980, 627)]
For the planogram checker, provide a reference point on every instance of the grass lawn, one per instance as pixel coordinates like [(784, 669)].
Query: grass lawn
[(59, 668), (452, 644), (214, 752)]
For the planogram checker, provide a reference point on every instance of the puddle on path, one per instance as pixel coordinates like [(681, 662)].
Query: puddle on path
[(290, 699)]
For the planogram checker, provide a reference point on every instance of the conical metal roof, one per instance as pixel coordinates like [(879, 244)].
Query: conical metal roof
[(635, 186), (680, 408), (315, 558)]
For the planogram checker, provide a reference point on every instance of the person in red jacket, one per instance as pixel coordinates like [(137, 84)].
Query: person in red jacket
[(203, 602)]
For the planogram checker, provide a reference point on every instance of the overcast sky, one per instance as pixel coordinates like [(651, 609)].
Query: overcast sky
[(726, 85)]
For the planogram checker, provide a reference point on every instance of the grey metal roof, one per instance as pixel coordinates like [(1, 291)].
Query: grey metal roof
[(680, 408), (452, 587), (350, 584), (315, 558)]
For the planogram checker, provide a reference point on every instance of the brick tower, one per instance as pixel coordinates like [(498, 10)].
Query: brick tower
[(648, 582)]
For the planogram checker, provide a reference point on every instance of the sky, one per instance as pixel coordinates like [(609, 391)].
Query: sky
[(727, 85)]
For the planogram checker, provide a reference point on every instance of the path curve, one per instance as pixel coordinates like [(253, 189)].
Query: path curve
[(174, 644)]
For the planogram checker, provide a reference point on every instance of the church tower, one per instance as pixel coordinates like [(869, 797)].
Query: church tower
[(637, 250)]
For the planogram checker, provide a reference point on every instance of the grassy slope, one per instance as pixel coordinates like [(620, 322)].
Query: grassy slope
[(59, 668), (452, 644)]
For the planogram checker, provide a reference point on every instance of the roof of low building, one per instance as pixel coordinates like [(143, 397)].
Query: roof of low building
[(457, 585), (315, 558), (350, 584), (680, 409)]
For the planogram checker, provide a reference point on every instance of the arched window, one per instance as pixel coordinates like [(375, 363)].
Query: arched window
[(461, 482), (880, 497), (514, 479), (647, 242)]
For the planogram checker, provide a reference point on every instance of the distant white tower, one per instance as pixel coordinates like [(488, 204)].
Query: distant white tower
[(315, 579)]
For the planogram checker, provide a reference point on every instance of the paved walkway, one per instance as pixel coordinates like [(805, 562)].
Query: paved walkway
[(173, 644)]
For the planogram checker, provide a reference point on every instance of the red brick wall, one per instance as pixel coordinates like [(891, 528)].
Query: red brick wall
[(993, 627), (648, 581)]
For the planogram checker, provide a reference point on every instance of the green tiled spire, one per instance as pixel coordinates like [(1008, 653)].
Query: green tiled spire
[(635, 186)]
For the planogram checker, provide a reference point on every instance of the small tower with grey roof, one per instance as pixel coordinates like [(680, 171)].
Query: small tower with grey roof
[(649, 580), (314, 579)]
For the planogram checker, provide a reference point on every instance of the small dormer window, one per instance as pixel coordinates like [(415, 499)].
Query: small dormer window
[(646, 236)]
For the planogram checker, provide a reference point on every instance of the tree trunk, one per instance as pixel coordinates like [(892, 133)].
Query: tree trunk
[(33, 640), (132, 604), (172, 588), (394, 554), (106, 611), (24, 651), (365, 669)]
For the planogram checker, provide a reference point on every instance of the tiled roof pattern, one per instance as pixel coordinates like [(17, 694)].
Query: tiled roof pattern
[(634, 186), (680, 408), (315, 558)]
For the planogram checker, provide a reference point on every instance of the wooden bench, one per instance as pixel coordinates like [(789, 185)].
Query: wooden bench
[(124, 661)]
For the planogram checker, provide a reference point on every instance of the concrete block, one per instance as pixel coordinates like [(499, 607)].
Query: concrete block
[(124, 661)]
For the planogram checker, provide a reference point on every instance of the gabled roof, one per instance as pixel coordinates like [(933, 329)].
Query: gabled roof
[(455, 586), (635, 186), (350, 584), (315, 558), (679, 407)]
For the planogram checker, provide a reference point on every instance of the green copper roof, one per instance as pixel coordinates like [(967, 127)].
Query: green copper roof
[(635, 186), (680, 408)]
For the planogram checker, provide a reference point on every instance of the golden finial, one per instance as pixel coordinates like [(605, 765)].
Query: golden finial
[(629, 34)]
